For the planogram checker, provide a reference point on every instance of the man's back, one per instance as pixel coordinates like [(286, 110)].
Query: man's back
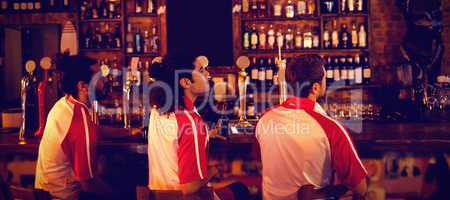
[(298, 146)]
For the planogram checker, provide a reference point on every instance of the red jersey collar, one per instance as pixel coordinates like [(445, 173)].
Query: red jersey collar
[(72, 100), (189, 105), (299, 103)]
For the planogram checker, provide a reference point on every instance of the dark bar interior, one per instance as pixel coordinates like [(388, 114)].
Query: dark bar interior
[(225, 99)]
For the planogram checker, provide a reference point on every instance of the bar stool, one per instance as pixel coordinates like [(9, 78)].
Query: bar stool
[(143, 193), (20, 193), (307, 192)]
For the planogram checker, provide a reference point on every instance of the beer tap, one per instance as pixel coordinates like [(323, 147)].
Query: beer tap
[(281, 64), (25, 83), (132, 78), (242, 63), (45, 63)]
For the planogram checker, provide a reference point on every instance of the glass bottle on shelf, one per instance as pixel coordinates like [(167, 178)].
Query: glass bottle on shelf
[(316, 40), (354, 35), (117, 37), (245, 7), (307, 39), (155, 39), (104, 12), (326, 38), (138, 41), (269, 73), (147, 42), (343, 71), (112, 10), (358, 71), (289, 39), (4, 5), (329, 71), (277, 8), (298, 39), (87, 38), (98, 38), (95, 10), (262, 9), (254, 71), (351, 6), (129, 39), (280, 39), (350, 71), (261, 75), (262, 37), (246, 39), (367, 72), (362, 37), (16, 6), (345, 37), (83, 9), (30, 5), (336, 71), (328, 6), (150, 7), (138, 6), (251, 107), (335, 36), (107, 37), (254, 38), (343, 6), (23, 5), (360, 5), (289, 10), (271, 37), (301, 7), (66, 3), (311, 7), (254, 9)]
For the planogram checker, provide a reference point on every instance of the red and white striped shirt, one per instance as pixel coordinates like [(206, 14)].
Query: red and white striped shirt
[(176, 148), (301, 145), (67, 149)]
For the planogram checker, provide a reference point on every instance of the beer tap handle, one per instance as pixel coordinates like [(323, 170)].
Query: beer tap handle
[(45, 63), (29, 67)]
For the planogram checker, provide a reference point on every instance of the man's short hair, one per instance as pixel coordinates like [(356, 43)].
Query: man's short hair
[(302, 72)]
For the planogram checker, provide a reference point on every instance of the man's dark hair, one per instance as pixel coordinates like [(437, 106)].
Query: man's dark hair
[(302, 72), (73, 69), (169, 73)]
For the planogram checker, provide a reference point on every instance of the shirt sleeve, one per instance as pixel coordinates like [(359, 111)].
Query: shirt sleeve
[(191, 151), (346, 163), (79, 145)]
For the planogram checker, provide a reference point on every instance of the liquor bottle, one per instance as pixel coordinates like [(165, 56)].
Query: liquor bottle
[(350, 71), (280, 39), (30, 5), (307, 39), (358, 71), (4, 5), (104, 12), (245, 7), (277, 8), (254, 38), (298, 39), (262, 37), (261, 75), (289, 39), (367, 72), (107, 37), (246, 39), (269, 72), (289, 9), (254, 9), (329, 71), (316, 40), (335, 36), (359, 5), (129, 39), (343, 71), (354, 35), (83, 10), (155, 39), (112, 10), (66, 3), (150, 7), (87, 38), (95, 10), (362, 35), (23, 5), (262, 9), (345, 37), (351, 6), (271, 37), (138, 41), (326, 38), (147, 42), (328, 6), (98, 38), (254, 71), (311, 7), (117, 37), (138, 6), (336, 71), (344, 6), (301, 7)]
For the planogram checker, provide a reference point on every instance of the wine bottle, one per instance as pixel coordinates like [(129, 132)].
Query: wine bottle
[(138, 41), (261, 75), (326, 38), (335, 36), (254, 38), (262, 37), (336, 71), (316, 40), (251, 108), (367, 72), (262, 9), (246, 39), (147, 42), (345, 37), (155, 39), (129, 39), (117, 37), (311, 7), (254, 71), (269, 73), (362, 35), (329, 71), (254, 9), (354, 35), (298, 39), (343, 71), (358, 71), (350, 71), (150, 6), (245, 7), (289, 39), (271, 37), (289, 10), (138, 6)]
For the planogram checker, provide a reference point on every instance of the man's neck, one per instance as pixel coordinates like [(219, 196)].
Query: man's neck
[(312, 97), (190, 96)]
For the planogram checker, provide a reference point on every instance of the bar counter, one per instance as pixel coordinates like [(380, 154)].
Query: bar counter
[(374, 139)]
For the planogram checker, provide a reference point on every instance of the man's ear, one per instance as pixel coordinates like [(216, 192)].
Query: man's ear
[(80, 85), (185, 83), (315, 88)]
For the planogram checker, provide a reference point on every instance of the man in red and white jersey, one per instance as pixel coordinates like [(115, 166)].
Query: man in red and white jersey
[(66, 163), (300, 144)]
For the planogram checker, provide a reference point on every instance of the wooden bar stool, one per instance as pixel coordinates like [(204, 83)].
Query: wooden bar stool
[(143, 193), (307, 192), (20, 193)]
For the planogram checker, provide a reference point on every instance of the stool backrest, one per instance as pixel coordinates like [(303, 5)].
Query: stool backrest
[(307, 192), (20, 193), (143, 193)]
